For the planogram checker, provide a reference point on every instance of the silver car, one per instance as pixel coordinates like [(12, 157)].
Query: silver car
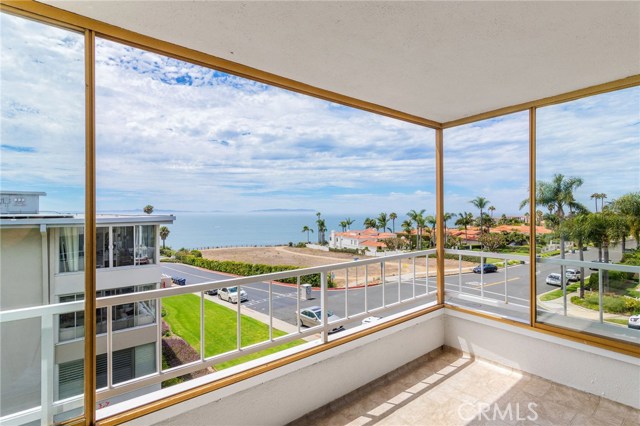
[(572, 275), (311, 317), (230, 294), (554, 279), (634, 322)]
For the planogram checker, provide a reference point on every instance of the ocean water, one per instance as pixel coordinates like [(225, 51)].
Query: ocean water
[(202, 230)]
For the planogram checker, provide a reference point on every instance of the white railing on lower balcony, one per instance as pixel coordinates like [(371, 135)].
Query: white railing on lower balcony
[(410, 284)]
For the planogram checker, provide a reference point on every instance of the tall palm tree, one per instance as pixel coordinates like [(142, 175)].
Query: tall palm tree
[(318, 222), (407, 227), (348, 221), (602, 197), (370, 223), (480, 203), (557, 195), (383, 221), (431, 220), (596, 196), (465, 219), (343, 225), (418, 219), (322, 228), (605, 229), (539, 217), (307, 230), (393, 216), (447, 217), (491, 210), (164, 233), (577, 229)]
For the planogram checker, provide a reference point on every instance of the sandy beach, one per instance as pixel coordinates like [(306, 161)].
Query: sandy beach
[(304, 257)]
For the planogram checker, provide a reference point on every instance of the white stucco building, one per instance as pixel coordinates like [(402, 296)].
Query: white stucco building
[(42, 263), (369, 239)]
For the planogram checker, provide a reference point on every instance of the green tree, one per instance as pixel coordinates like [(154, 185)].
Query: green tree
[(148, 209), (348, 221), (447, 217), (307, 230), (431, 220), (383, 222), (480, 203), (491, 210), (343, 225), (418, 219), (164, 233), (577, 229), (393, 216), (465, 219), (322, 229), (492, 241), (370, 223), (628, 207), (557, 195), (605, 229)]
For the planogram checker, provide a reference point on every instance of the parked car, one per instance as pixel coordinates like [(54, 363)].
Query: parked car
[(634, 322), (230, 294), (211, 292), (488, 267), (554, 279), (179, 280), (572, 274), (311, 317)]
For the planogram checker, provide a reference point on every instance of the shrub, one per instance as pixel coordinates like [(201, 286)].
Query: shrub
[(247, 269), (166, 251)]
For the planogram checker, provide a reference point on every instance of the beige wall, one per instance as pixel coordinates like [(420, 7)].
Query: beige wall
[(20, 286)]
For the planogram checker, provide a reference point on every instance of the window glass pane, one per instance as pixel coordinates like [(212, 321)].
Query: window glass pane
[(589, 207), (42, 159), (486, 169), (122, 245)]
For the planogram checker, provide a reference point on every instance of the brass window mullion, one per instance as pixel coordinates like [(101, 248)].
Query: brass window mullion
[(532, 217), (439, 216), (90, 233)]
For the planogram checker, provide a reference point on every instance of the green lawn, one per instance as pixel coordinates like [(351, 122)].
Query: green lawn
[(182, 313), (558, 293)]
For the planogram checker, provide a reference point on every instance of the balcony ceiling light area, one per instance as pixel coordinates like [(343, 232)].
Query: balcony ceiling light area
[(437, 60)]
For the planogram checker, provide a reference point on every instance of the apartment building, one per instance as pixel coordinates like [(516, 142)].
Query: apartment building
[(42, 263)]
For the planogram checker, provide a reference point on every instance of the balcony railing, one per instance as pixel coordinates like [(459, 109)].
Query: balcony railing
[(375, 287)]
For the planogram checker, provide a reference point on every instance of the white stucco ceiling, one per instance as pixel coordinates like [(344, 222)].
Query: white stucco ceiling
[(437, 60)]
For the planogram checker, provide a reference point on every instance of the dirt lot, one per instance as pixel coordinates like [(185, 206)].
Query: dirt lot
[(304, 257)]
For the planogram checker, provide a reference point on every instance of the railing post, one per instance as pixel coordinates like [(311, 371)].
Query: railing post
[(270, 310), (202, 343), (366, 287), (426, 276), (482, 277), (346, 293), (506, 292), (238, 322), (413, 272), (600, 295), (460, 273), (399, 279), (383, 278), (324, 290), (47, 361), (109, 309), (159, 334), (298, 302)]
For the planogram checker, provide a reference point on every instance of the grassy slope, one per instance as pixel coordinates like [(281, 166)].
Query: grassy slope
[(183, 315)]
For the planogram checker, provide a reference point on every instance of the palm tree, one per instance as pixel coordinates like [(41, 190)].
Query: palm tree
[(307, 230), (148, 209), (164, 233), (465, 219), (447, 217), (370, 223), (431, 220), (602, 197), (526, 218), (480, 203), (595, 196), (393, 216), (383, 221), (322, 228), (318, 222), (348, 221), (557, 195), (418, 219), (491, 209), (343, 225)]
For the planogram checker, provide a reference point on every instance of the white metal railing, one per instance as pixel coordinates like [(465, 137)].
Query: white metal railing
[(46, 314), (481, 292)]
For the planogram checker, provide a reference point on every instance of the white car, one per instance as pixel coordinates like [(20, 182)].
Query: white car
[(311, 317), (554, 279), (230, 294), (572, 274), (634, 322), (369, 320)]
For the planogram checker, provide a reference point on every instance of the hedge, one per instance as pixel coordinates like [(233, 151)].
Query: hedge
[(248, 269)]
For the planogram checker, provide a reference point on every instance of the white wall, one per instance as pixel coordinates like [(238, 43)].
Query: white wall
[(587, 368), (277, 397)]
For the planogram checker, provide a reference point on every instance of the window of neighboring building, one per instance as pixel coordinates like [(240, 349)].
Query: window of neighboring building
[(145, 244), (128, 363), (102, 247), (71, 325), (122, 246), (71, 249)]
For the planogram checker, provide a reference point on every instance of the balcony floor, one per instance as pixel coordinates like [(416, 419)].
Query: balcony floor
[(449, 388)]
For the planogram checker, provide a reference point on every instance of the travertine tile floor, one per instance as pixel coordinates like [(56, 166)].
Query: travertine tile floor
[(449, 388)]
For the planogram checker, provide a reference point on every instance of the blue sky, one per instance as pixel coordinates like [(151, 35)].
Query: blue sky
[(183, 137)]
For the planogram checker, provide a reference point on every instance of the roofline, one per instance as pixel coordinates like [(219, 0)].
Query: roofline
[(22, 193), (77, 221)]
